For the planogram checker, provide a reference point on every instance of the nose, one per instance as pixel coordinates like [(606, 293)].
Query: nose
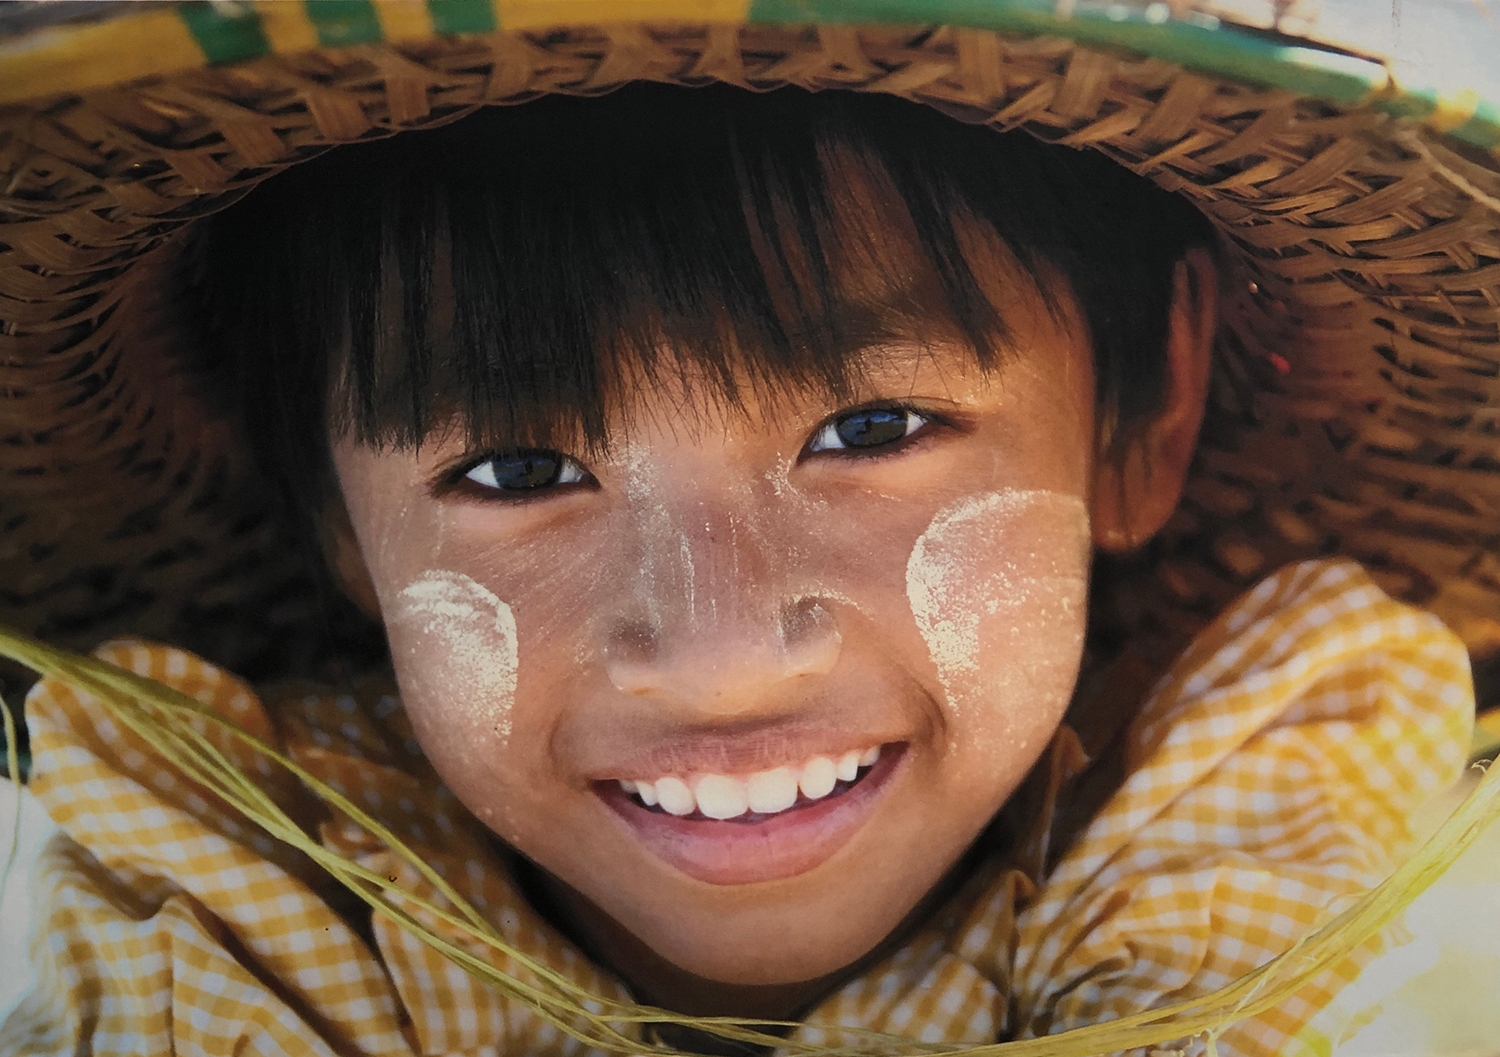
[(724, 660)]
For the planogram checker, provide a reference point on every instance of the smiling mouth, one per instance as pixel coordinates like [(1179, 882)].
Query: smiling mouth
[(768, 795), (723, 841)]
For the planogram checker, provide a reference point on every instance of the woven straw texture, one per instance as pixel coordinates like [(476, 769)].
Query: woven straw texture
[(1355, 405)]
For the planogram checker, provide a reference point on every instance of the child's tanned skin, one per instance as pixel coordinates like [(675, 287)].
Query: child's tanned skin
[(718, 595)]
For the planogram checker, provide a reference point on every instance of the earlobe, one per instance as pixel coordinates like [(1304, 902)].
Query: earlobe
[(341, 550), (1137, 487)]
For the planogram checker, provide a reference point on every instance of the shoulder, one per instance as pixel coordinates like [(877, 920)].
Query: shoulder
[(1275, 770), (1316, 681)]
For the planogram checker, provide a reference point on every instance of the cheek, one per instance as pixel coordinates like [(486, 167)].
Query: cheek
[(998, 587), (487, 646), (457, 658)]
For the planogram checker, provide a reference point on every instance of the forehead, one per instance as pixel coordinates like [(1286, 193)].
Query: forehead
[(536, 305), (885, 329), (893, 337)]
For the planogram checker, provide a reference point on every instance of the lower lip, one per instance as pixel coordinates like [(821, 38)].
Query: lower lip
[(738, 852)]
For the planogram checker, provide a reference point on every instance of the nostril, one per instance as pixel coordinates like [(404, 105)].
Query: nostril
[(810, 637), (726, 662), (803, 619), (634, 640)]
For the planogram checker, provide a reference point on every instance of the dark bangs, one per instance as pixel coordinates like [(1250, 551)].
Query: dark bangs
[(521, 270)]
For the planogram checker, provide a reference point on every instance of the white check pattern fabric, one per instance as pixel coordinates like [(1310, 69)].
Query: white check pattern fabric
[(1270, 776)]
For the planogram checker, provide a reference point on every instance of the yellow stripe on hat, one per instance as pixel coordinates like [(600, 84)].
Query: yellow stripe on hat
[(533, 14), (286, 26), (75, 58), (404, 19), (1454, 110)]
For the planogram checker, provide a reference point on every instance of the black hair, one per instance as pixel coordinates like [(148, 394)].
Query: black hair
[(517, 269)]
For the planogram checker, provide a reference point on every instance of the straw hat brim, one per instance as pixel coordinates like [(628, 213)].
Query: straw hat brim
[(1356, 401)]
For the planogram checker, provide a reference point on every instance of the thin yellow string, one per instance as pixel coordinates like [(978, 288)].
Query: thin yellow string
[(164, 718)]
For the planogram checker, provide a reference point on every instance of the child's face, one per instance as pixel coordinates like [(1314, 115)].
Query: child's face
[(744, 600)]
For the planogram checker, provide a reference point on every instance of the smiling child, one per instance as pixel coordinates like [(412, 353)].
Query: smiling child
[(748, 669), (744, 486)]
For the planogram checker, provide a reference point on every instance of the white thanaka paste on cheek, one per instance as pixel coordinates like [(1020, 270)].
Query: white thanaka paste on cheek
[(954, 583), (476, 630)]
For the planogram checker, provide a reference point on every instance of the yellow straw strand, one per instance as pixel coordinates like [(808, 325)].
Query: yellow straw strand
[(170, 721)]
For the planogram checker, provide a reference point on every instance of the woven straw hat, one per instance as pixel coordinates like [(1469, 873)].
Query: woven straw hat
[(1356, 402)]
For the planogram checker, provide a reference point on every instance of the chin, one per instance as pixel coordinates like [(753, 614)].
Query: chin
[(766, 961), (780, 933)]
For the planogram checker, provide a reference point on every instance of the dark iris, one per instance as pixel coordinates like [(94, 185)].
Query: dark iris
[(526, 470), (872, 428)]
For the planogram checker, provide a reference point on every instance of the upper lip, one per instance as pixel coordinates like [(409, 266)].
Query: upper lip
[(613, 737), (730, 757), (745, 750)]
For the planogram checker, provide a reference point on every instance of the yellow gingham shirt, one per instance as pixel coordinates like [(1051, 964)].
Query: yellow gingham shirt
[(1270, 773)]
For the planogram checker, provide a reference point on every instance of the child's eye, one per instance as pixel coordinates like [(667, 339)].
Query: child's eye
[(874, 427), (526, 471)]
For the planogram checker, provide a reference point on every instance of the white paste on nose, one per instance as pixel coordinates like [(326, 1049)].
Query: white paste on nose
[(475, 628), (955, 579)]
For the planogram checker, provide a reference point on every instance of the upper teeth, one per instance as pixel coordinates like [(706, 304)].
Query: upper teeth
[(764, 792)]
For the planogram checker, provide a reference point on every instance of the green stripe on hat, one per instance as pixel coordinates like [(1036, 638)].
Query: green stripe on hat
[(1477, 123), (225, 32), (1197, 41), (462, 16), (1411, 102), (343, 22), (1482, 129)]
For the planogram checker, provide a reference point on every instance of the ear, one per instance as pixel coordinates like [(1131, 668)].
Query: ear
[(341, 551), (1137, 488)]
